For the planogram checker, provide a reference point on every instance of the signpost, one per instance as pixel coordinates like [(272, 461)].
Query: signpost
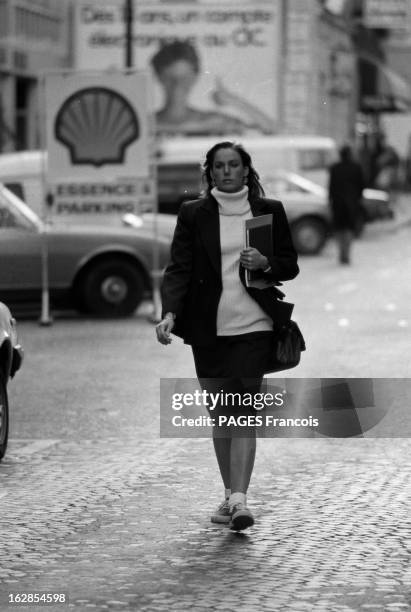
[(129, 19), (45, 318), (100, 145)]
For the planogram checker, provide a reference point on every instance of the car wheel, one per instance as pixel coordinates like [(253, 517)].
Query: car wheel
[(309, 235), (112, 288), (4, 417)]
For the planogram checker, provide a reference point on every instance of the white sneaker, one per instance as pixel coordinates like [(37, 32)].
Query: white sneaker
[(222, 514)]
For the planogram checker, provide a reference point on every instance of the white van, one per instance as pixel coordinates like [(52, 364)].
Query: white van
[(179, 167), (309, 156), (179, 162)]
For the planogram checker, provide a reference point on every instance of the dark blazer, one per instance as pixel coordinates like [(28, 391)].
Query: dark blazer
[(192, 283)]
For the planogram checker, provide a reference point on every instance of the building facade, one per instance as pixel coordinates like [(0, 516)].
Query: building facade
[(280, 66), (34, 38), (318, 72)]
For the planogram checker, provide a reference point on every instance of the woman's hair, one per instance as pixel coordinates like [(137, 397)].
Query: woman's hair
[(172, 52), (255, 188)]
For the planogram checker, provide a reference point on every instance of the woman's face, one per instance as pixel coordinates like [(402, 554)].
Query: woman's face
[(228, 170), (178, 79)]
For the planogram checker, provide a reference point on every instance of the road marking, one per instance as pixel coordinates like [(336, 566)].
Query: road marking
[(34, 447)]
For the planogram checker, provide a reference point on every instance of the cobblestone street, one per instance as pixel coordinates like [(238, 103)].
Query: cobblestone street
[(120, 526), (95, 505), (205, 305)]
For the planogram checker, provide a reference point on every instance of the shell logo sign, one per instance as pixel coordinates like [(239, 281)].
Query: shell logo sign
[(97, 125), (100, 143)]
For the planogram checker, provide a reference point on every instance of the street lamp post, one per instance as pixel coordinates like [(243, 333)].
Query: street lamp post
[(129, 63), (129, 19)]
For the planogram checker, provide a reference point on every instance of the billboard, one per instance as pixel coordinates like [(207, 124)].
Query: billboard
[(99, 143), (215, 65), (388, 14)]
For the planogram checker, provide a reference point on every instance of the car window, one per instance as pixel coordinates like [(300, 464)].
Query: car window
[(295, 187), (10, 216), (177, 182), (279, 185), (17, 189), (283, 185), (179, 177), (7, 219), (314, 159)]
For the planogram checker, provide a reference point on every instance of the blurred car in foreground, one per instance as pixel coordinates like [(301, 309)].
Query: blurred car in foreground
[(100, 269), (11, 357)]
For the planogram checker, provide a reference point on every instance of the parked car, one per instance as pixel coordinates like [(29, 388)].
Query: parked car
[(11, 357), (103, 270), (306, 205), (305, 202)]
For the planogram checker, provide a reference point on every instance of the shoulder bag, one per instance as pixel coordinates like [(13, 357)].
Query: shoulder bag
[(287, 345)]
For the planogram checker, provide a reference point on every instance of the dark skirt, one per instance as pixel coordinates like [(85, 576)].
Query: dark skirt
[(233, 367)]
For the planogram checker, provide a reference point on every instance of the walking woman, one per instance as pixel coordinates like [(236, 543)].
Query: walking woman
[(206, 302)]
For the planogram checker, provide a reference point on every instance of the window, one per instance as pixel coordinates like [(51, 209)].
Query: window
[(3, 19), (21, 117), (12, 216), (177, 182), (37, 25), (17, 189), (314, 159), (282, 185), (7, 219), (278, 185)]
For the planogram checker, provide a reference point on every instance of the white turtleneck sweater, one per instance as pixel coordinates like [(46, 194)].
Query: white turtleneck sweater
[(237, 312)]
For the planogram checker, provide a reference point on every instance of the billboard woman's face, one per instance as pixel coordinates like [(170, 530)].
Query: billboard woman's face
[(228, 170), (178, 79)]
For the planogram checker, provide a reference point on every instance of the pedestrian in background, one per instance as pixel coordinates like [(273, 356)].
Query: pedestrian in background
[(346, 184), (206, 302)]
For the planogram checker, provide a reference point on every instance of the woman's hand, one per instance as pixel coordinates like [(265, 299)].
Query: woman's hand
[(255, 117), (252, 259), (221, 95), (164, 328)]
